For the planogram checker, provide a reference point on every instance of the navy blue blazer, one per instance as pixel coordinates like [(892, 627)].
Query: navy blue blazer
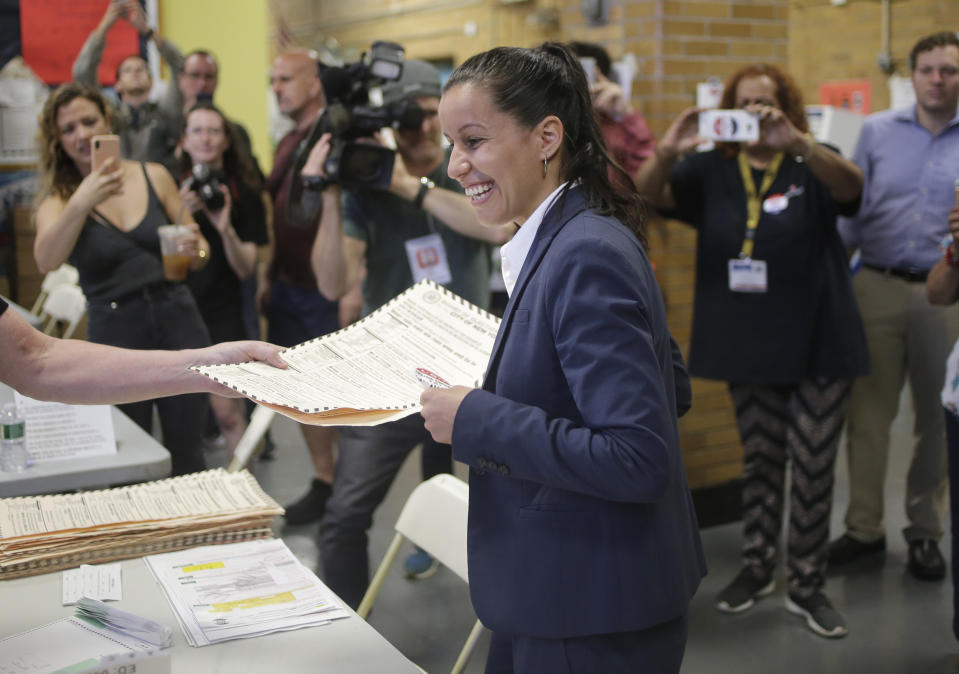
[(580, 520)]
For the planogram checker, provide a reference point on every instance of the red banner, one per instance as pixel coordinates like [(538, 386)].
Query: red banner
[(52, 32), (854, 95)]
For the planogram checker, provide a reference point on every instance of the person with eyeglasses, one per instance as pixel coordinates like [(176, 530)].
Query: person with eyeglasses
[(148, 130)]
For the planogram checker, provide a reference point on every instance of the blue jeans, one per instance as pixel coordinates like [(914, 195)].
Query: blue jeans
[(297, 314), (163, 316), (368, 461)]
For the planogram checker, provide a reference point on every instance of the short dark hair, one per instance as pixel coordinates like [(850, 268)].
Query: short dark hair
[(531, 84), (596, 52), (127, 58), (930, 42), (205, 53)]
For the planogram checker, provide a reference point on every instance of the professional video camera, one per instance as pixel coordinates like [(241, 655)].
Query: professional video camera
[(348, 117)]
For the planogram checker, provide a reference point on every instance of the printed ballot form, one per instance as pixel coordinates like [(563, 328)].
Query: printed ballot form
[(366, 373)]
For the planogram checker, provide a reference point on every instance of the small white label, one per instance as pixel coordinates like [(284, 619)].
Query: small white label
[(427, 257), (747, 276)]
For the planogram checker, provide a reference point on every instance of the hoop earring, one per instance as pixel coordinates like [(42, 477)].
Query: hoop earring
[(545, 161)]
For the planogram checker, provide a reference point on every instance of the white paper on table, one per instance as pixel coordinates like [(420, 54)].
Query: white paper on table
[(69, 642), (103, 582), (241, 590), (56, 431), (371, 365)]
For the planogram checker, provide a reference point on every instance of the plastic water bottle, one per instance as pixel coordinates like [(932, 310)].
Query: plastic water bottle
[(13, 441)]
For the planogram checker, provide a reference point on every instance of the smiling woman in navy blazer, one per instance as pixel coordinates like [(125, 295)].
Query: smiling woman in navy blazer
[(583, 545)]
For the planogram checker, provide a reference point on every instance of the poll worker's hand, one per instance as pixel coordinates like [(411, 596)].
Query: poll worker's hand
[(609, 98), (682, 136), (100, 184), (439, 410), (228, 353), (317, 157)]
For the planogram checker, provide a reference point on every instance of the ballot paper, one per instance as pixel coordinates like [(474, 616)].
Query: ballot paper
[(101, 582), (242, 590), (366, 374), (56, 431)]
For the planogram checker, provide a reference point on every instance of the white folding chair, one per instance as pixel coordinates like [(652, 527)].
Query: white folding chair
[(434, 519), (260, 422), (63, 275), (65, 304)]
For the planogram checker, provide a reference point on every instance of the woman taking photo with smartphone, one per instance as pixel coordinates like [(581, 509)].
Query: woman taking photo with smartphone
[(774, 316), (104, 221), (224, 192), (583, 545)]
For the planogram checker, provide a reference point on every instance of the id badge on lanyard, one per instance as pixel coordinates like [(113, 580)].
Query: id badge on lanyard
[(747, 275), (427, 258)]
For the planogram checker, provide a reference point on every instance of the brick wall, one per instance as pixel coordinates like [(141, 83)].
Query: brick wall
[(837, 43)]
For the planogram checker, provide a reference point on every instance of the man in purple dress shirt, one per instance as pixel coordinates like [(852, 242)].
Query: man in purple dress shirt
[(910, 158)]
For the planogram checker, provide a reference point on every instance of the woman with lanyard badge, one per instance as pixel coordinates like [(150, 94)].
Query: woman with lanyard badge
[(774, 316)]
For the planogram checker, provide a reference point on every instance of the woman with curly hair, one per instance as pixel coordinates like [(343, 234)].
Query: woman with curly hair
[(104, 222), (774, 316)]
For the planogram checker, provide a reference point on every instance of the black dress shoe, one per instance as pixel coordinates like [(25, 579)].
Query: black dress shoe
[(846, 549), (925, 560), (311, 506)]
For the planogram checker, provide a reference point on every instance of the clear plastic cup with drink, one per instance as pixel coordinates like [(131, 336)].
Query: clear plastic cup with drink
[(173, 245)]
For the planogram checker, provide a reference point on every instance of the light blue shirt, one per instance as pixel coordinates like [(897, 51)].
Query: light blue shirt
[(909, 190)]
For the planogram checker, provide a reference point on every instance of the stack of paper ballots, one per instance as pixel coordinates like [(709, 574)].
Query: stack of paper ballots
[(39, 534)]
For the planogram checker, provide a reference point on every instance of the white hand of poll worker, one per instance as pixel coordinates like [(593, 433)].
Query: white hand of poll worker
[(439, 410), (777, 132), (609, 98), (682, 136), (317, 157), (100, 184), (228, 353)]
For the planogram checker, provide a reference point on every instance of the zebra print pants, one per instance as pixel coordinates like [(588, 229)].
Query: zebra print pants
[(800, 424)]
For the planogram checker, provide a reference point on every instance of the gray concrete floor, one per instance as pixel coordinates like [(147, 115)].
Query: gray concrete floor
[(896, 624)]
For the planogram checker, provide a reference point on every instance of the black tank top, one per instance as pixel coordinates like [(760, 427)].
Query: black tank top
[(113, 263)]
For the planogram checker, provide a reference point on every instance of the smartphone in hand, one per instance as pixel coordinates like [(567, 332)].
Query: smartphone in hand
[(104, 147), (729, 126)]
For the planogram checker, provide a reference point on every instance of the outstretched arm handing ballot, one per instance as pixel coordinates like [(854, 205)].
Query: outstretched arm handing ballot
[(74, 371)]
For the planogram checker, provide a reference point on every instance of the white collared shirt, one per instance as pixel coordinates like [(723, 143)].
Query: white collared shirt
[(514, 252)]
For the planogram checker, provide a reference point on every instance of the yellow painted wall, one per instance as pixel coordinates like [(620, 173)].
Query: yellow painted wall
[(236, 32)]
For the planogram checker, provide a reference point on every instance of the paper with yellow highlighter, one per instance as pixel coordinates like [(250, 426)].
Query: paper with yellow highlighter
[(241, 590)]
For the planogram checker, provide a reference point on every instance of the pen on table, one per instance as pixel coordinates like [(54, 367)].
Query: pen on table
[(430, 379)]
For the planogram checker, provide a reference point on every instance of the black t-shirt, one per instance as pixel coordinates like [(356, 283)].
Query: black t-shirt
[(3, 306), (807, 322), (216, 287)]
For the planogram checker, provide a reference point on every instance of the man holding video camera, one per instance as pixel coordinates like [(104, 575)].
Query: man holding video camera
[(421, 227)]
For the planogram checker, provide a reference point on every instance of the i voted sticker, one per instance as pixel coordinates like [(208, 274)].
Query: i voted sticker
[(775, 203)]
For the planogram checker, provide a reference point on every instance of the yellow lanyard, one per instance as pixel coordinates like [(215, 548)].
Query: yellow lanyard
[(753, 205)]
